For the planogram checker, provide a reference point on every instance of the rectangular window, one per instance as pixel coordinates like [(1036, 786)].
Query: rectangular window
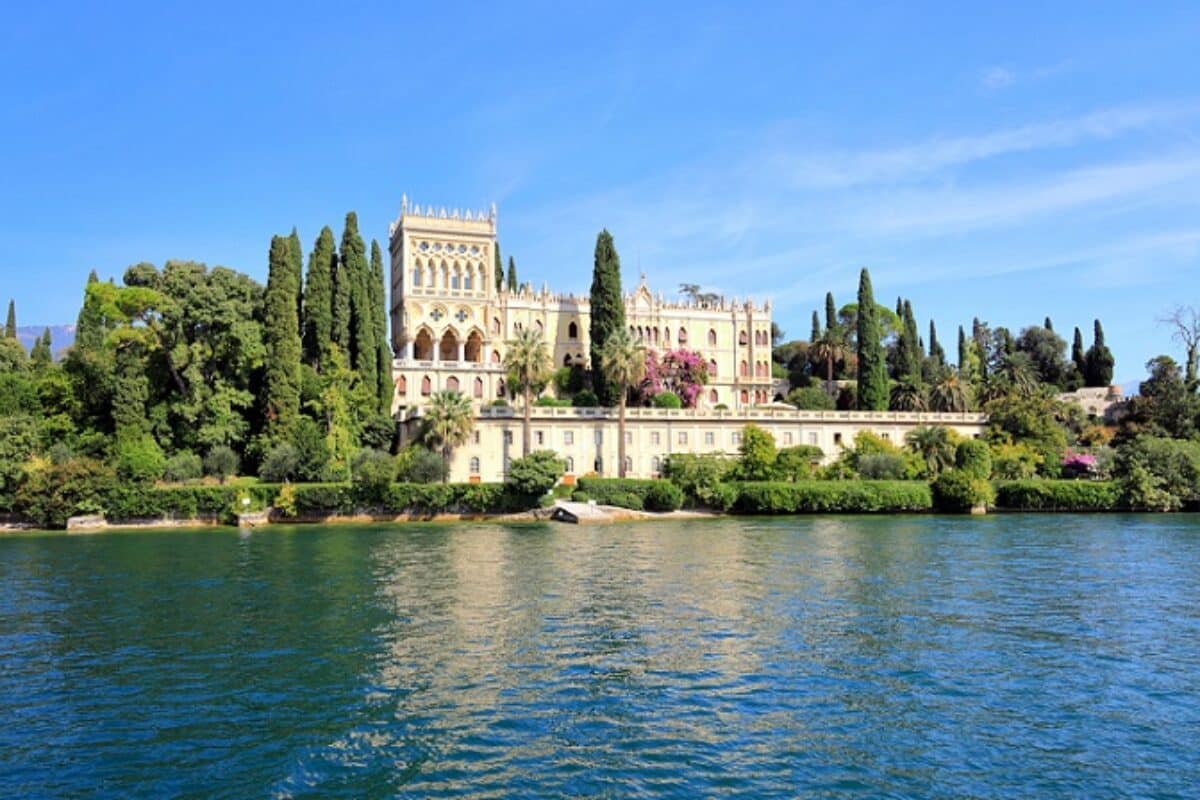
[(709, 437), (476, 437), (812, 437), (887, 437), (539, 437), (508, 437), (569, 437), (787, 438), (599, 436), (655, 438), (737, 438), (837, 438), (683, 437)]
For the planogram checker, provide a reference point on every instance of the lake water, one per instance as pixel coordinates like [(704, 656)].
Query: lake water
[(1009, 656)]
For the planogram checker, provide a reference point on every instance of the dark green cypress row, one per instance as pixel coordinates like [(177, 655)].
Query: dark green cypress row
[(962, 348), (980, 336), (318, 300), (830, 312), (935, 347), (343, 289), (816, 328), (89, 326), (512, 275), (281, 338), (296, 251), (41, 355), (872, 365), (911, 360), (498, 268), (131, 391), (607, 311), (10, 326), (1099, 360), (1078, 357), (383, 350), (364, 355)]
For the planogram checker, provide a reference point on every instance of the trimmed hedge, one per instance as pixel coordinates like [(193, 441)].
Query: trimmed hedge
[(636, 493), (773, 497), (182, 502), (1058, 495)]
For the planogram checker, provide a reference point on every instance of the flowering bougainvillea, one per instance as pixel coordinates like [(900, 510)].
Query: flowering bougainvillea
[(1078, 464), (681, 371)]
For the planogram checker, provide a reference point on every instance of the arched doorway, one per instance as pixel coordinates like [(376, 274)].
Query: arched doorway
[(448, 350), (423, 346), (474, 349)]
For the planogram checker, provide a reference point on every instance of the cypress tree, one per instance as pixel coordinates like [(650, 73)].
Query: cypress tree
[(498, 269), (89, 326), (41, 355), (281, 338), (935, 347), (512, 275), (318, 300), (900, 310), (343, 289), (1077, 354), (830, 312), (364, 355), (10, 327), (1048, 325), (607, 311), (962, 348), (1099, 360), (910, 361), (872, 365), (131, 391), (383, 350), (979, 334), (296, 260), (816, 328)]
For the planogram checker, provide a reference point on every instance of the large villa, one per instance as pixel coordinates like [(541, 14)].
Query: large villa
[(450, 323)]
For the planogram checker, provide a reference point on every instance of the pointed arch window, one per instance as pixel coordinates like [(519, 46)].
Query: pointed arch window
[(426, 386)]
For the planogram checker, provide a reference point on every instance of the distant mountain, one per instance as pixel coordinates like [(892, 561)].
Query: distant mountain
[(61, 336)]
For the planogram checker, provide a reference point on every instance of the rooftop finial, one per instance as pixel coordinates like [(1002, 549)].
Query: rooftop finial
[(404, 203)]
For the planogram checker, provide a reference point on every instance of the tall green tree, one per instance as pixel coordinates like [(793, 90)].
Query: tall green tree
[(624, 363), (296, 261), (10, 326), (981, 337), (1048, 325), (343, 293), (379, 316), (831, 317), (872, 365), (89, 326), (1078, 356), (1098, 361), (281, 335), (364, 354), (318, 300), (816, 328), (512, 275), (42, 356), (528, 367), (908, 351), (962, 348), (607, 311), (448, 422), (131, 387), (936, 352), (498, 268)]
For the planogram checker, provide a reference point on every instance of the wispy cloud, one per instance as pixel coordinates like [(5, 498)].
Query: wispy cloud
[(999, 77)]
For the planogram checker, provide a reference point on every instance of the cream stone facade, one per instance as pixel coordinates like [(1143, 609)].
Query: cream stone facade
[(587, 437), (450, 323)]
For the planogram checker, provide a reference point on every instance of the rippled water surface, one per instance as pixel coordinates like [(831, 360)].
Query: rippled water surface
[(1011, 656)]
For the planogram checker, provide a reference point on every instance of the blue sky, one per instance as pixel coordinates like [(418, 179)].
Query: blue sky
[(1039, 159)]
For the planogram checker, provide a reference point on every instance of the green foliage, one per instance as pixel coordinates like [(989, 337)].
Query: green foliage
[(1047, 351), (416, 464), (372, 471), (796, 463), (700, 476), (607, 312), (1098, 361), (312, 451), (139, 459), (281, 331), (52, 493), (872, 366), (41, 356), (934, 444), (633, 493), (448, 422), (1013, 462), (183, 466), (221, 463), (533, 475), (377, 305), (18, 442), (956, 490), (1032, 421), (758, 454), (811, 398), (881, 466), (832, 496), (513, 284), (667, 400), (663, 496), (585, 399), (282, 464), (1058, 495), (973, 458), (546, 401), (318, 300), (1158, 474)]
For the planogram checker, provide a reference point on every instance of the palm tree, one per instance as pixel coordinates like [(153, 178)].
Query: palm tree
[(624, 363), (1020, 372), (908, 396), (933, 444), (528, 365), (830, 347), (949, 394), (449, 420)]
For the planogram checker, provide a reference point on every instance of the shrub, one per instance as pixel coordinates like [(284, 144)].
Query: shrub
[(881, 466), (663, 496), (418, 464), (973, 458), (630, 500), (311, 449), (372, 471), (956, 490), (139, 459), (811, 398), (626, 492), (722, 497), (51, 493), (721, 407), (667, 400), (1014, 461), (285, 501), (534, 474), (698, 475), (379, 430), (281, 464), (546, 401), (1058, 495), (183, 466), (221, 462), (585, 399), (773, 497), (580, 496), (796, 463), (758, 454), (1158, 474)]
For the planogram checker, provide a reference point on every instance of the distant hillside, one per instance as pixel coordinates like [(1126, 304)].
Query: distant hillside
[(61, 336)]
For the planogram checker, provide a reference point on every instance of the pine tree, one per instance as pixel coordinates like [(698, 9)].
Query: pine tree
[(1078, 357), (607, 311), (1099, 360), (962, 348), (872, 366), (318, 300), (10, 327), (816, 328), (830, 312), (41, 355), (512, 275), (343, 290), (498, 269), (281, 338), (383, 350), (364, 354), (935, 347)]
